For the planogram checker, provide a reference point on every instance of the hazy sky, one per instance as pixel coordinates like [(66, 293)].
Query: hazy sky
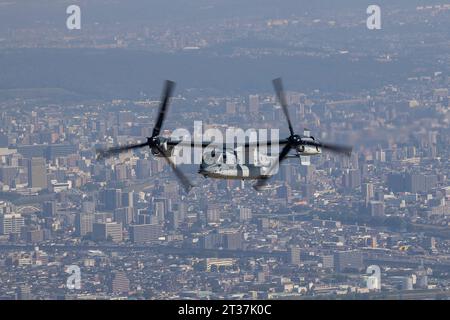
[(128, 72), (17, 13)]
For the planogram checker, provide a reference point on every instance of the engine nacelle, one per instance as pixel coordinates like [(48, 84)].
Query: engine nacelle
[(168, 150), (308, 150)]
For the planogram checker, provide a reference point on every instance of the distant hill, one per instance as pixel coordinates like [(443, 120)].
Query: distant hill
[(120, 73)]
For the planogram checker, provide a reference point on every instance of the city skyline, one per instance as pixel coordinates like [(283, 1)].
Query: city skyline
[(374, 225)]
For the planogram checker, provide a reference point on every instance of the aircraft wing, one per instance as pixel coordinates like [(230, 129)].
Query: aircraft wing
[(225, 146)]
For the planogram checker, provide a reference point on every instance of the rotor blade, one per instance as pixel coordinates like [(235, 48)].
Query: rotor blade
[(336, 148), (262, 181), (187, 185), (167, 93), (278, 86), (106, 153)]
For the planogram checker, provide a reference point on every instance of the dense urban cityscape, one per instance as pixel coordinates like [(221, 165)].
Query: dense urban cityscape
[(73, 226)]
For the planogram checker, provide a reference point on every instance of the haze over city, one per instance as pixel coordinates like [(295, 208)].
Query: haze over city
[(74, 225)]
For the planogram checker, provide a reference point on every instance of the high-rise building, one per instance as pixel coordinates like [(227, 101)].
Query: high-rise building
[(24, 292), (112, 199), (253, 104), (4, 140), (245, 214), (364, 169), (263, 224), (171, 190), (396, 182), (348, 261), (376, 208), (308, 173), (429, 243), (371, 242), (11, 223), (34, 236), (8, 174), (327, 261), (211, 240), (174, 219), (54, 151), (379, 195), (308, 192), (145, 233), (180, 208), (127, 199), (213, 214), (37, 173), (230, 107), (88, 206), (143, 169), (416, 182), (145, 218), (411, 182), (233, 240), (422, 277), (288, 173), (103, 217), (351, 179), (109, 231), (160, 208), (32, 151), (368, 192), (121, 172), (285, 192), (294, 255), (84, 223), (380, 155), (49, 208), (120, 282), (124, 215)]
